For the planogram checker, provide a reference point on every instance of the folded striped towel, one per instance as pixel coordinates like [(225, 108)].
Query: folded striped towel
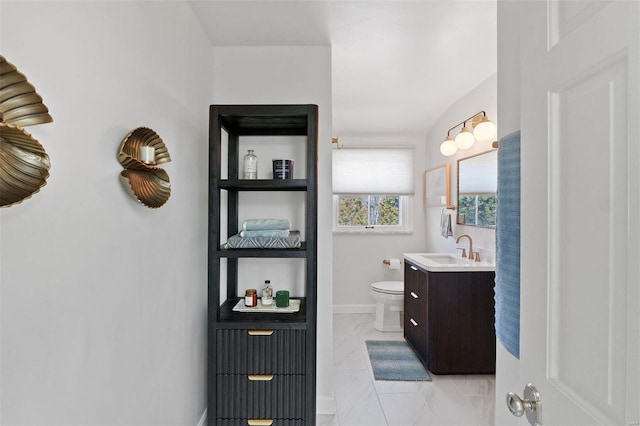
[(292, 241), (265, 224), (277, 233)]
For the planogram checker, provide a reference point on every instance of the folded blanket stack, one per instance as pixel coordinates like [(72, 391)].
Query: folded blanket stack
[(278, 228), (265, 233)]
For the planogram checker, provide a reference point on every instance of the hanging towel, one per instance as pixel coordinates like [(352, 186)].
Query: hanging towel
[(262, 224), (507, 290), (445, 225)]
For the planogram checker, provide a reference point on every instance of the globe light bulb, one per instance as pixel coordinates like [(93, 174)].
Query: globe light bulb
[(448, 147), (465, 139), (485, 131)]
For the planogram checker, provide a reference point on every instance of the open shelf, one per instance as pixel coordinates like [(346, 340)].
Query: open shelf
[(264, 120), (227, 314), (264, 253), (264, 184)]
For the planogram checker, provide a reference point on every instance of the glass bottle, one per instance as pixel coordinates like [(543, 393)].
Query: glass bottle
[(250, 165), (267, 293), (251, 298)]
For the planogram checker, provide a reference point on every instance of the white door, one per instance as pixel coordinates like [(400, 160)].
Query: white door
[(580, 206)]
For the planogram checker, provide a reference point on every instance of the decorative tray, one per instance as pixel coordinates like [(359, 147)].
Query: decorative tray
[(294, 306)]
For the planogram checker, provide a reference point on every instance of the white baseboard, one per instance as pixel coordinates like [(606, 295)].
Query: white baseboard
[(203, 419), (354, 309), (325, 405)]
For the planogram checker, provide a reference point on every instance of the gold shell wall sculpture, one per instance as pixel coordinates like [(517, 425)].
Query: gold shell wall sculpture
[(145, 182), (24, 164), (19, 102), (150, 187), (129, 155)]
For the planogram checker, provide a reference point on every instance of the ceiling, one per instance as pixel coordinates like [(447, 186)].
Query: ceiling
[(396, 65)]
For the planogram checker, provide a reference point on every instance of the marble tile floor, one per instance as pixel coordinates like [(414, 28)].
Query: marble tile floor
[(362, 401)]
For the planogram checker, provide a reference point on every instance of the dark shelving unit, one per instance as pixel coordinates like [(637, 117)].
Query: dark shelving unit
[(261, 366)]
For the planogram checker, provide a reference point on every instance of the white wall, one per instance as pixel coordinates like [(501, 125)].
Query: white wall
[(103, 301), (357, 258), (507, 366), (290, 75), (482, 98)]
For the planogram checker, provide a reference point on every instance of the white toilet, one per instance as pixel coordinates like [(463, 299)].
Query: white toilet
[(389, 297)]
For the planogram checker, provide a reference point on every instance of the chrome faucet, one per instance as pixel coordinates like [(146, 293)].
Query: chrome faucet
[(470, 246)]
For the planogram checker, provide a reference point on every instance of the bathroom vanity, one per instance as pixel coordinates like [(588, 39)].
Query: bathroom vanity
[(449, 314)]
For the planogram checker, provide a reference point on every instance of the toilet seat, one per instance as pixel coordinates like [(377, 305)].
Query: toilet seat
[(388, 287)]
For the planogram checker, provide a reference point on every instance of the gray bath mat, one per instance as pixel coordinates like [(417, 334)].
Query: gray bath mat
[(395, 360)]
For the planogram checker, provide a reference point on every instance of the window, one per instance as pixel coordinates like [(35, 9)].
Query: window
[(371, 213), (372, 189)]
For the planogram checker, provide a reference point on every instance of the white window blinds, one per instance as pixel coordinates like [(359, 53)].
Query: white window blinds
[(373, 171)]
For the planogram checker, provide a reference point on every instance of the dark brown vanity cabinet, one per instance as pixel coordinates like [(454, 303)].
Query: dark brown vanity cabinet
[(261, 365), (449, 319)]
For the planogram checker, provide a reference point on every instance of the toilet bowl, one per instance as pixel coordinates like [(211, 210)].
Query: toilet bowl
[(389, 297)]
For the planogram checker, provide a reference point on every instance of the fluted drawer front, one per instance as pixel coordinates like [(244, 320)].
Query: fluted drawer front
[(280, 397), (245, 422), (258, 352)]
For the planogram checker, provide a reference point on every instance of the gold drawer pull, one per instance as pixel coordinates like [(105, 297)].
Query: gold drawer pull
[(260, 377), (259, 422), (260, 332)]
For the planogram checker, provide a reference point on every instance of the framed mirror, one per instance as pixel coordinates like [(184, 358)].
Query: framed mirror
[(437, 185), (477, 189)]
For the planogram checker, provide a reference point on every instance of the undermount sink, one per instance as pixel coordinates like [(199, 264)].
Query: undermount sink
[(447, 262), (444, 259)]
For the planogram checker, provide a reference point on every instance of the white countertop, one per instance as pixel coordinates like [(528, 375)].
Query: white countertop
[(447, 262)]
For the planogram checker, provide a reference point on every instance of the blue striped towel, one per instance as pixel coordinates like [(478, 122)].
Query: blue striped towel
[(265, 224), (507, 290), (277, 233)]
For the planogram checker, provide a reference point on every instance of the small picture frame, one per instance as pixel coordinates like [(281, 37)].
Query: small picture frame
[(437, 183)]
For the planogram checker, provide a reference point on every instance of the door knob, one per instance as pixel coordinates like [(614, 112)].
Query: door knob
[(531, 405)]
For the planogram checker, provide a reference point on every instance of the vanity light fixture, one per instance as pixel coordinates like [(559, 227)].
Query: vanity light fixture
[(483, 131)]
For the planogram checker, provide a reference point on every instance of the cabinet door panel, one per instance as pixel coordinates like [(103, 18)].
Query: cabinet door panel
[(461, 317), (413, 279), (415, 293), (258, 352), (416, 334)]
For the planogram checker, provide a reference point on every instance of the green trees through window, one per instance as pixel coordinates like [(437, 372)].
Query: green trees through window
[(369, 210), (479, 210)]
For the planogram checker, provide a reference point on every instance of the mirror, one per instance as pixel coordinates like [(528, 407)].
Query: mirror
[(477, 189)]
